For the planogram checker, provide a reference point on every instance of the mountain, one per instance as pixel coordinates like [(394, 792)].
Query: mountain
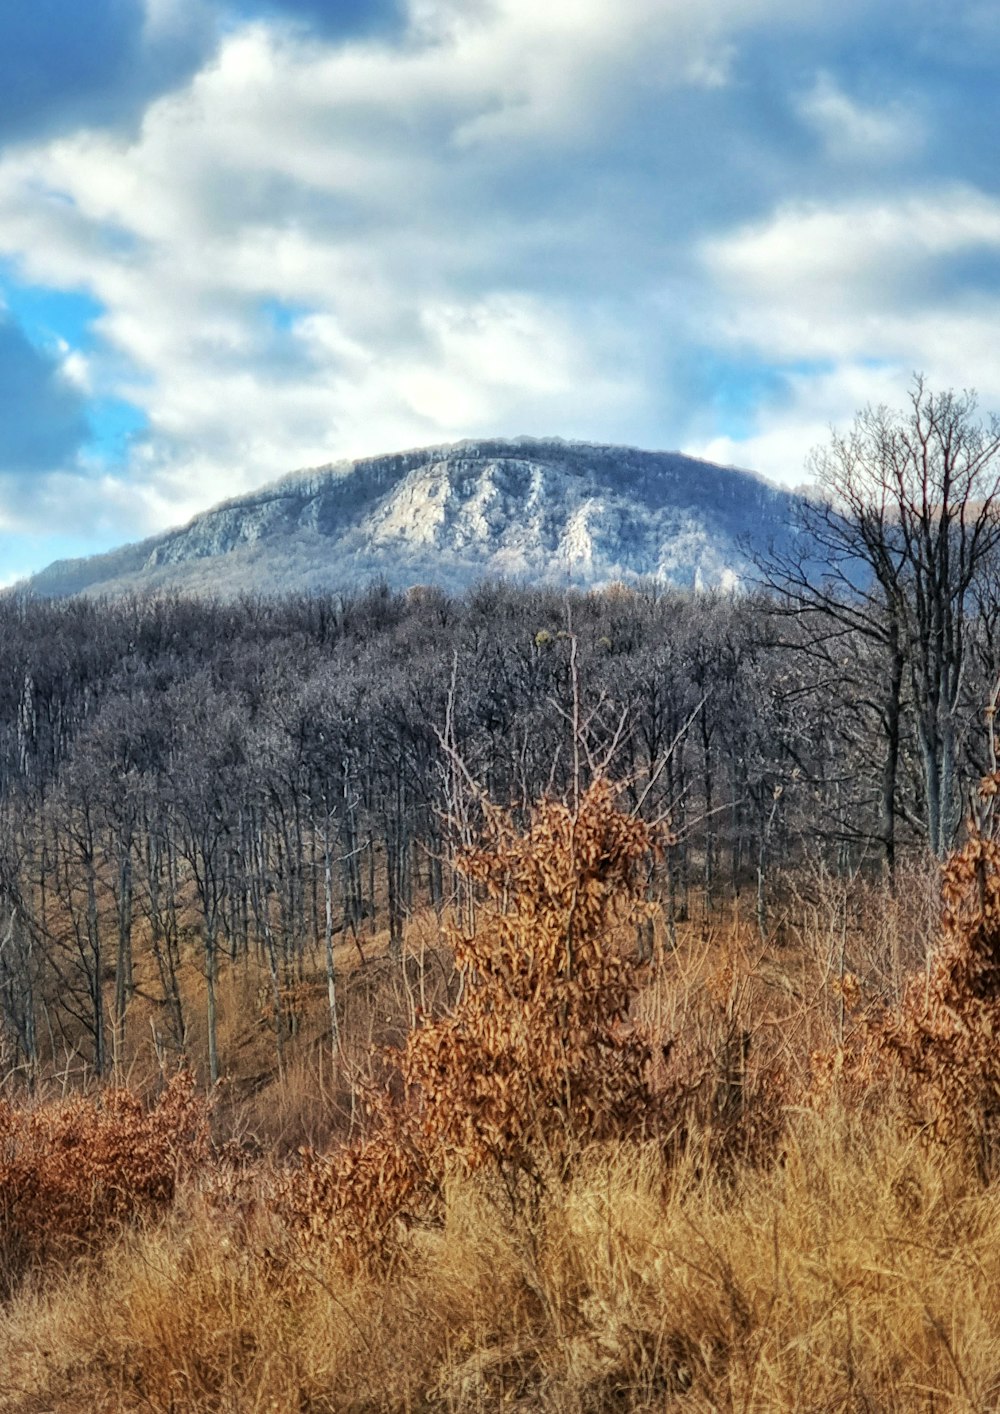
[(536, 510)]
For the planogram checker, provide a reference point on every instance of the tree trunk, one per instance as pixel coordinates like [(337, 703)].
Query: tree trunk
[(890, 769)]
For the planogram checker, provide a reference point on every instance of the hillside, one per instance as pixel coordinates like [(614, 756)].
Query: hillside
[(543, 511), (594, 1116)]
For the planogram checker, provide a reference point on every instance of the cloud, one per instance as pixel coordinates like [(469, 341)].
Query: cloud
[(800, 416), (64, 64), (859, 280), (853, 131), (336, 229), (843, 301), (277, 177), (43, 421)]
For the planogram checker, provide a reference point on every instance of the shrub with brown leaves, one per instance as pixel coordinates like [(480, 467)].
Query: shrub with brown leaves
[(535, 1056), (74, 1172), (943, 1036), (936, 1049)]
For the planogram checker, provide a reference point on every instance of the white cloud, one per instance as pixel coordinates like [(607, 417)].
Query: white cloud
[(340, 181), (857, 280), (315, 250), (815, 403), (847, 300), (852, 131), (804, 252)]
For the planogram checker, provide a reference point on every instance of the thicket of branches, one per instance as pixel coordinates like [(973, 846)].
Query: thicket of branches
[(477, 1248), (261, 780)]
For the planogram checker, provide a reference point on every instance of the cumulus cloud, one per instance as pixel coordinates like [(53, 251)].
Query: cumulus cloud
[(341, 228), (848, 299), (264, 181)]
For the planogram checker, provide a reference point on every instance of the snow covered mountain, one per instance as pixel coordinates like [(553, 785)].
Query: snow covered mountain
[(541, 511)]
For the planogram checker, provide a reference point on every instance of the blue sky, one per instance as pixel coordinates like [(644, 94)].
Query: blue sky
[(240, 238)]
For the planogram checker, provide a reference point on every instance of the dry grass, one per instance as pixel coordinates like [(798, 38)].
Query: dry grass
[(863, 1272), (776, 1217)]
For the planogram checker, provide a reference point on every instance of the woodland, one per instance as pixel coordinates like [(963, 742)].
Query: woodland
[(248, 783), (533, 999)]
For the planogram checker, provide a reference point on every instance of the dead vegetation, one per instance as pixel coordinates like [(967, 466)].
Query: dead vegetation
[(75, 1172), (738, 1176), (538, 1050)]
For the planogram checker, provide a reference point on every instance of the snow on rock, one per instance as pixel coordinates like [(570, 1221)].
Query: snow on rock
[(541, 510)]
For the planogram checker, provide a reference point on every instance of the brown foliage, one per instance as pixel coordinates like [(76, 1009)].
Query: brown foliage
[(858, 1273), (73, 1172), (536, 1054), (943, 1036), (936, 1049)]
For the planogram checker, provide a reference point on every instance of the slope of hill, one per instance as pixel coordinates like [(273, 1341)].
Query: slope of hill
[(536, 510)]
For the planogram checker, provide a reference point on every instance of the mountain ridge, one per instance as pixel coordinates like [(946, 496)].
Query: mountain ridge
[(540, 509)]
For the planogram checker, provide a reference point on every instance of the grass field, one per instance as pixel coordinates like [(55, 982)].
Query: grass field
[(797, 1208)]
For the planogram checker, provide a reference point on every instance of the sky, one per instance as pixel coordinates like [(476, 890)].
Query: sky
[(242, 238)]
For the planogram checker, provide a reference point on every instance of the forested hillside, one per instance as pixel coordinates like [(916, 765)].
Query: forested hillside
[(666, 1088), (541, 510), (251, 781)]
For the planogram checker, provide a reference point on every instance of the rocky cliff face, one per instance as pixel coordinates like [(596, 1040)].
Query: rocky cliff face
[(540, 511)]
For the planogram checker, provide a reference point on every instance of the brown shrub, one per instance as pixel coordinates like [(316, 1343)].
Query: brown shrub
[(540, 1055), (942, 1039), (935, 1050), (537, 1053), (73, 1172)]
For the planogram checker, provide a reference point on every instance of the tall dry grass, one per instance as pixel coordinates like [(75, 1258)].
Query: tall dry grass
[(721, 1181), (862, 1272)]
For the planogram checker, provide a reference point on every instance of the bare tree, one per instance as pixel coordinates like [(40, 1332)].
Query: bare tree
[(897, 549)]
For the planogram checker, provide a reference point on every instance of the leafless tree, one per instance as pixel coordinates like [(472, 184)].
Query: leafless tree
[(898, 549)]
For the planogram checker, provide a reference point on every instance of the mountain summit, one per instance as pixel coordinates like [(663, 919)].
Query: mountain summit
[(536, 510)]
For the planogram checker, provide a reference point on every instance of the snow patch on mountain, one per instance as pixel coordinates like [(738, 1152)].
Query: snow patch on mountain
[(540, 510)]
